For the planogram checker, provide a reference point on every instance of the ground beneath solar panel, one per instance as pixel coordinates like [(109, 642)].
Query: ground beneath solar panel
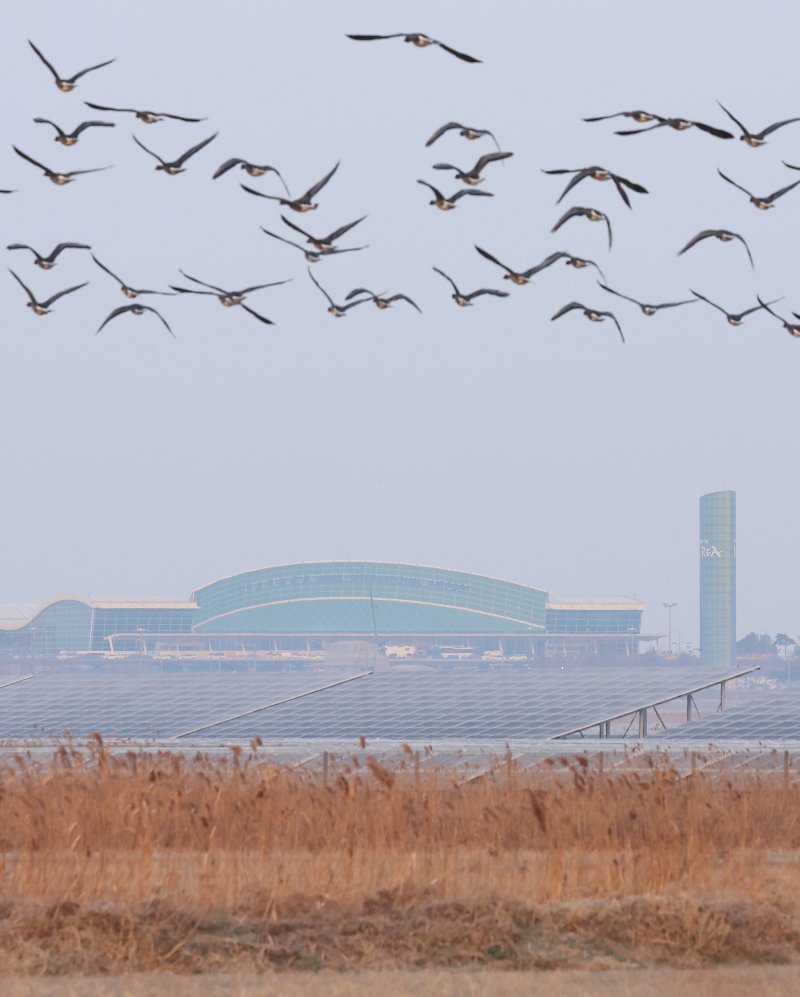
[(718, 982)]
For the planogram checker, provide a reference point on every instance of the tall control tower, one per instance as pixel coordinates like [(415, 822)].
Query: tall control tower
[(718, 579)]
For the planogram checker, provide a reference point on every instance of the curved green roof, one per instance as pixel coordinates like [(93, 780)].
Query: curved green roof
[(341, 597)]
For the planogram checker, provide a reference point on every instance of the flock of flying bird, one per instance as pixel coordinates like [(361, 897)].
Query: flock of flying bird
[(316, 247)]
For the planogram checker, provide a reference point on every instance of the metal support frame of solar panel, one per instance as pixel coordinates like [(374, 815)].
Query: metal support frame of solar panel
[(774, 716), (720, 681)]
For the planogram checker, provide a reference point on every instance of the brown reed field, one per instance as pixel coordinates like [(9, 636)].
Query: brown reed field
[(128, 862)]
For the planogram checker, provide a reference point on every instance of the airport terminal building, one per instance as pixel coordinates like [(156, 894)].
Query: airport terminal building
[(303, 610)]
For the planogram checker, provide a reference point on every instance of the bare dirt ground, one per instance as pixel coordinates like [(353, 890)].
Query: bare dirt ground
[(729, 981)]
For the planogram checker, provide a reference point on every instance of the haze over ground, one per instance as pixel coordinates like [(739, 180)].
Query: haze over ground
[(488, 438)]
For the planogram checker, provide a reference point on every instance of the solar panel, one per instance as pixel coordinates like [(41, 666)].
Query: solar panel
[(769, 715), (538, 703)]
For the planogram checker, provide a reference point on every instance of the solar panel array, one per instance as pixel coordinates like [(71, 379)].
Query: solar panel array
[(539, 703), (771, 715)]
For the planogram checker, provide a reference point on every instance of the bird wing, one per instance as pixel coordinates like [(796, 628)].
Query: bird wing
[(608, 225), (97, 169), (546, 262), (772, 128), (374, 38), (103, 107), (574, 181), (227, 165), (450, 280), (260, 287), (155, 155), (19, 245), (261, 318), (194, 149), (178, 117), (297, 228), (333, 252), (258, 193), (736, 121), (330, 299), (352, 304), (24, 286), (781, 192), (271, 169), (630, 184), (360, 290), (312, 191), (571, 213), (674, 304), (762, 304), (404, 297), (468, 191), (109, 272), (49, 65), (66, 245), (202, 283), (90, 69), (493, 259), (92, 124), (440, 131), (733, 182), (459, 55), (619, 114), (490, 157), (708, 301), (486, 290), (567, 308), (705, 234), (613, 318), (149, 308), (60, 294), (191, 290), (437, 193), (638, 131), (446, 166), (749, 254), (35, 162), (47, 121), (281, 239), (712, 131), (619, 294), (341, 231), (117, 311)]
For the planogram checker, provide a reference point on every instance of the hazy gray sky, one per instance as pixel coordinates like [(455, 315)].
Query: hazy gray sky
[(487, 438)]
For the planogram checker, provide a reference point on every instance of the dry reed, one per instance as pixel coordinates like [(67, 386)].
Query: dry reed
[(624, 857)]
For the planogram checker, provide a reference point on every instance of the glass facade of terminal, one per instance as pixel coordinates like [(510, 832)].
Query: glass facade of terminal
[(718, 579), (579, 620), (343, 595)]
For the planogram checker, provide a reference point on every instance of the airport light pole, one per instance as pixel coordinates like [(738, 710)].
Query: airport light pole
[(669, 606)]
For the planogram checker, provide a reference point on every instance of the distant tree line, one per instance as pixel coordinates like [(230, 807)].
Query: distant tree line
[(755, 643)]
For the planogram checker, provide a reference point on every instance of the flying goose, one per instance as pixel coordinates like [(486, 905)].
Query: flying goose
[(43, 307), (592, 314), (718, 233), (135, 310), (647, 309), (473, 176), (148, 117), (48, 262), (599, 173), (226, 298), (380, 300), (641, 116), (734, 319), (571, 261), (60, 179), (762, 203), (679, 125), (250, 168), (755, 139), (312, 256), (520, 277), (302, 203), (71, 138), (418, 39), (326, 242), (591, 213), (338, 311), (449, 203), (176, 166), (65, 85), (465, 300), (129, 292), (464, 130)]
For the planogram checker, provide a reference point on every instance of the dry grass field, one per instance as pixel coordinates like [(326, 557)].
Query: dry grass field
[(142, 862)]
